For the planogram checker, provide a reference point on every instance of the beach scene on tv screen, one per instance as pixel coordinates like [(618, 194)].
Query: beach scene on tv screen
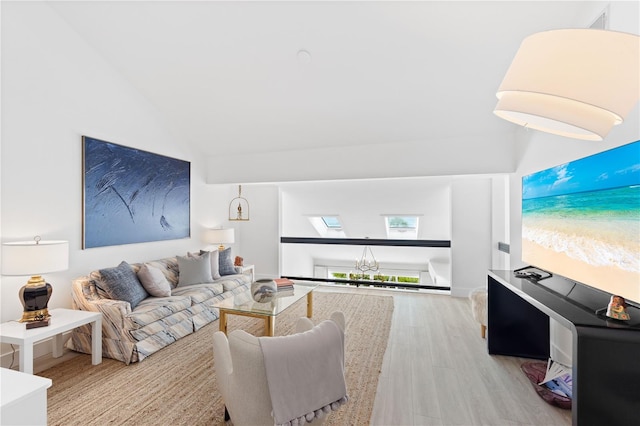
[(581, 220)]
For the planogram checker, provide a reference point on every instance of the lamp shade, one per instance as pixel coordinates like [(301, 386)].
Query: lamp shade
[(577, 83), (220, 236), (34, 257)]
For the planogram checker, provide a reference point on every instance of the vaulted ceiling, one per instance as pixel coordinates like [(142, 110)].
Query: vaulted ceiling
[(238, 77)]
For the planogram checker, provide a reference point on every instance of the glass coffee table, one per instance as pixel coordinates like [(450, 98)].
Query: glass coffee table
[(244, 305)]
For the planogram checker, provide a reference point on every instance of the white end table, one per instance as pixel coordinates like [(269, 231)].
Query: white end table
[(250, 268), (24, 398), (62, 320)]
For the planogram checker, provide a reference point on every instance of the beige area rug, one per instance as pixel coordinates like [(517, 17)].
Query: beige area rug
[(177, 385)]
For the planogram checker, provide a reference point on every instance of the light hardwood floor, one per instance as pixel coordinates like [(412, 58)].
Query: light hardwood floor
[(437, 370)]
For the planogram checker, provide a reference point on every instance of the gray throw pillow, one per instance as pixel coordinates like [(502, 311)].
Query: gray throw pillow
[(121, 283), (215, 265), (194, 269), (154, 281), (226, 262)]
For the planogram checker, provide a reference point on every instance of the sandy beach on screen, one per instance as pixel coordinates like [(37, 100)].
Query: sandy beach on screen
[(611, 279)]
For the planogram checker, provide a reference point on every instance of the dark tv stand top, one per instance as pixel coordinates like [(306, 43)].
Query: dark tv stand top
[(566, 301), (606, 352)]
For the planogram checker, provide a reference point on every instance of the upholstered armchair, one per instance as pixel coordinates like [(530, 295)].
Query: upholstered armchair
[(478, 299), (242, 375)]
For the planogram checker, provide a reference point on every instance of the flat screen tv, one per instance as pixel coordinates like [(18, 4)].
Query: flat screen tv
[(581, 220)]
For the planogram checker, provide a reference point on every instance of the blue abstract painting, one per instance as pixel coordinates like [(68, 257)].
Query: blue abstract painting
[(133, 196)]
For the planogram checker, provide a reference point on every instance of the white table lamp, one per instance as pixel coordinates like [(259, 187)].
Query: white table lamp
[(220, 236)]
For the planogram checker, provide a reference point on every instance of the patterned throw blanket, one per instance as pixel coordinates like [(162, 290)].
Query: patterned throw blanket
[(305, 373)]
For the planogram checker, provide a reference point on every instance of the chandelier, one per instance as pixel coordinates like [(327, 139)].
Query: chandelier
[(365, 264)]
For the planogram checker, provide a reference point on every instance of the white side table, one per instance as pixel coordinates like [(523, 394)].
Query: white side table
[(62, 320), (23, 398), (251, 269)]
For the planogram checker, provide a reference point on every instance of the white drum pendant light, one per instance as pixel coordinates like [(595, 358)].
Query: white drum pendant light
[(577, 83)]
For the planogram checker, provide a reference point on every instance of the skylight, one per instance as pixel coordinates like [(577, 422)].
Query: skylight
[(404, 227), (328, 226), (331, 222), (402, 222)]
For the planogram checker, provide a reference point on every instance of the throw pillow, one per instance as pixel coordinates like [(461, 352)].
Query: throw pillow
[(154, 281), (121, 283), (215, 265), (226, 262), (194, 269)]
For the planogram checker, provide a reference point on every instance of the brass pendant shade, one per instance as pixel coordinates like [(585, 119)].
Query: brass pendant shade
[(239, 208)]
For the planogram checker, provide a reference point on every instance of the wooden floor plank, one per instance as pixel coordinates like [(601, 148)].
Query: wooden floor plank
[(437, 370)]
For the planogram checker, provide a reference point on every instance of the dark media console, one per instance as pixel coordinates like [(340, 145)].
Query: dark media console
[(606, 352)]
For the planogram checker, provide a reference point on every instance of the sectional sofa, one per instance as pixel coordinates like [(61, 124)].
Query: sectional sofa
[(147, 306)]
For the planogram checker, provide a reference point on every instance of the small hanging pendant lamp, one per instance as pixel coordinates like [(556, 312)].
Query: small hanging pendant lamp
[(239, 208)]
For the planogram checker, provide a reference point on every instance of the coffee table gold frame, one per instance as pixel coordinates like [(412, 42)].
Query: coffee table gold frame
[(269, 318)]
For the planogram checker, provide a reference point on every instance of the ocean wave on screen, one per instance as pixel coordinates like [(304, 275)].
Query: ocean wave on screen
[(587, 249)]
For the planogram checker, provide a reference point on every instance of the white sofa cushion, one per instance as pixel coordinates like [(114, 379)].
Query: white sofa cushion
[(154, 281), (194, 269)]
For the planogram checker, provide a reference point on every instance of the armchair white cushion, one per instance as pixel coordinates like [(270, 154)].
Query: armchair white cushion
[(242, 378), (478, 299)]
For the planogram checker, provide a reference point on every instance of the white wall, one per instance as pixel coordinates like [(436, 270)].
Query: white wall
[(471, 234), (362, 204), (259, 240), (500, 232), (56, 89)]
